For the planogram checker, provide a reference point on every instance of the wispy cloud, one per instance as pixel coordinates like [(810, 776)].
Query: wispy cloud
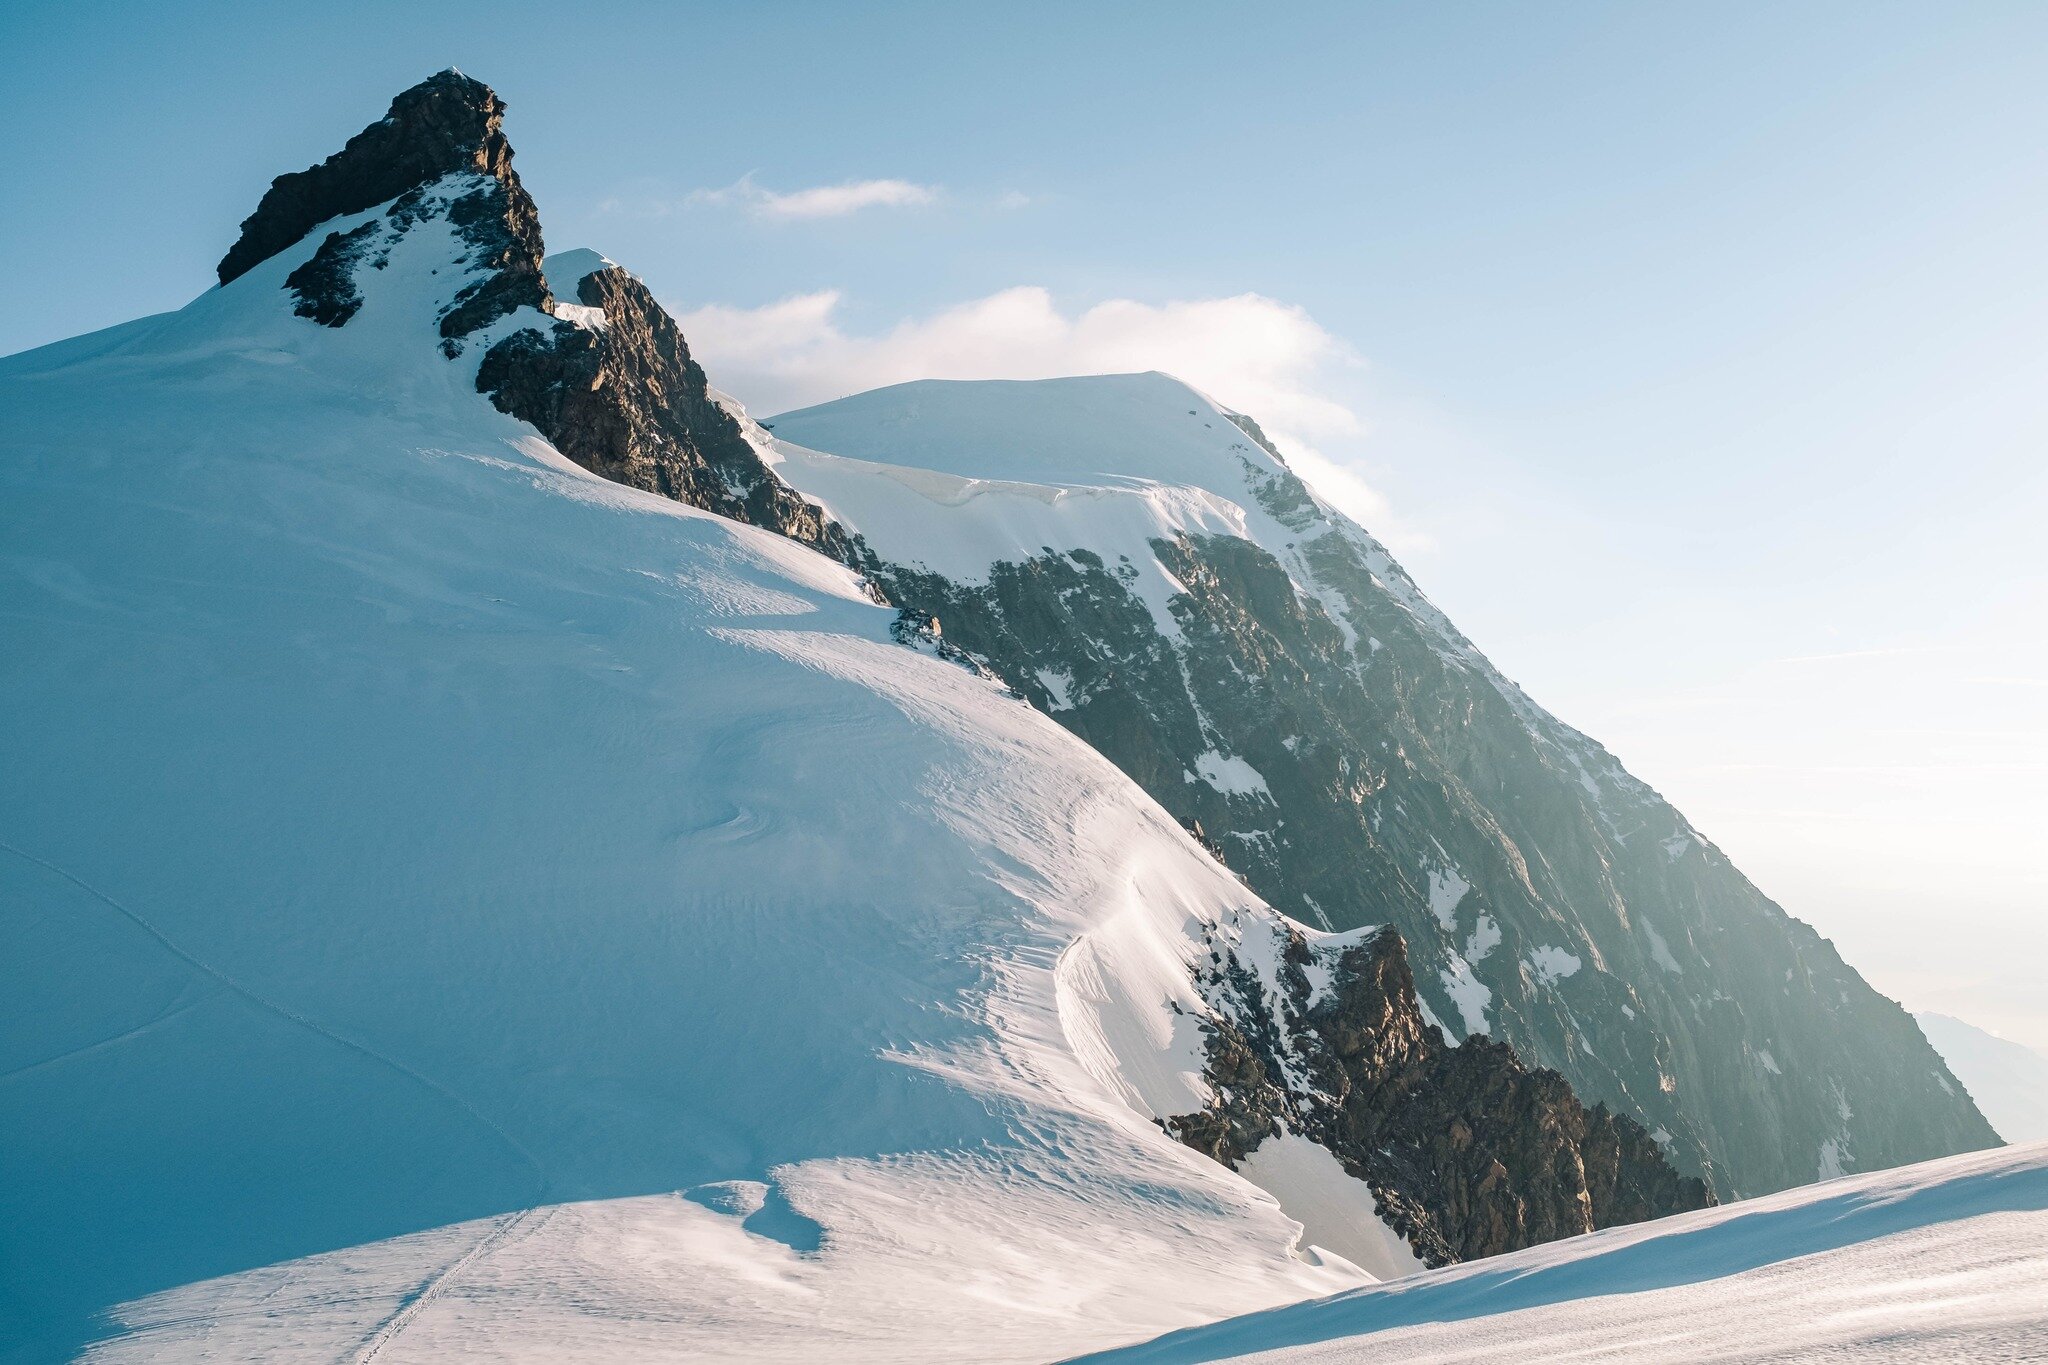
[(818, 201), (827, 201)]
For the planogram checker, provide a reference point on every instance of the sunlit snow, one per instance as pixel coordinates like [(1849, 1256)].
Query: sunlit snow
[(1937, 1262)]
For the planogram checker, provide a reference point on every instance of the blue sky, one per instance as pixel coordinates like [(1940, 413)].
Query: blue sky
[(1692, 356)]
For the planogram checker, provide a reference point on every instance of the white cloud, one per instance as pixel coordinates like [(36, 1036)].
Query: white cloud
[(1249, 352), (820, 201)]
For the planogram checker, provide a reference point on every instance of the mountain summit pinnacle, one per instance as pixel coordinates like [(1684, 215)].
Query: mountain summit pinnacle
[(447, 123)]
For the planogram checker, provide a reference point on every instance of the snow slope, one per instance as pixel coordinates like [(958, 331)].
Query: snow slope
[(458, 905), (2008, 1080), (1943, 1261)]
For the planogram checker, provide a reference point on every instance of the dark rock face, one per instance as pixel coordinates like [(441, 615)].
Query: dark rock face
[(628, 402), (325, 286), (499, 256), (500, 231), (1468, 1153), (446, 124), (439, 153)]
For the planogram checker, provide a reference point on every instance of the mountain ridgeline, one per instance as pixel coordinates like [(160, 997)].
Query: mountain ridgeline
[(1181, 601)]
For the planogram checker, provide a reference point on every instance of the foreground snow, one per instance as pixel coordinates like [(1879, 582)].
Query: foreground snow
[(1943, 1261), (459, 906)]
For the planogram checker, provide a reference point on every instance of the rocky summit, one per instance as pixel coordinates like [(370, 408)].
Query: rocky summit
[(448, 124), (623, 398)]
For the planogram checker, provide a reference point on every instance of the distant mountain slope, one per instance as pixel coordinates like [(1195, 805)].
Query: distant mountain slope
[(2008, 1080), (1946, 1261), (1145, 568)]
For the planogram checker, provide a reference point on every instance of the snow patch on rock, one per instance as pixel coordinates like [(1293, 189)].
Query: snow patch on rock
[(1552, 965), (1446, 891), (1231, 775), (1469, 995)]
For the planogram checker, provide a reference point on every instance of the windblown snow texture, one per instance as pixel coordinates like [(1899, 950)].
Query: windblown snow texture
[(408, 833)]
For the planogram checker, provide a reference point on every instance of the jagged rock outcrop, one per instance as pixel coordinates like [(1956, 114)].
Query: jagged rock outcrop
[(445, 125), (1468, 1152), (440, 153), (619, 394), (625, 399)]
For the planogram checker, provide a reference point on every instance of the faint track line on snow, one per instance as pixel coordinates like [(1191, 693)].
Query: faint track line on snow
[(115, 1040), (402, 1317), (290, 1015)]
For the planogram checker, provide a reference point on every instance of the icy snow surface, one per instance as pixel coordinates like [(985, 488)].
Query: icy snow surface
[(1468, 993), (564, 272), (1945, 1261), (1337, 1215), (456, 905), (959, 476), (565, 269)]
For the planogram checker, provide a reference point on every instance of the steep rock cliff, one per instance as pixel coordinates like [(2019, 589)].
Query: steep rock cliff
[(1468, 1152)]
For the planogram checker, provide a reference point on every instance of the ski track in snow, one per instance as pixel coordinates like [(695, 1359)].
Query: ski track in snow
[(269, 1006), (501, 1230)]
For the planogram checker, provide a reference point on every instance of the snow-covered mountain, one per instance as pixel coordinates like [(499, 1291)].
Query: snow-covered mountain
[(2008, 1080), (462, 904), (1145, 568), (1942, 1261)]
